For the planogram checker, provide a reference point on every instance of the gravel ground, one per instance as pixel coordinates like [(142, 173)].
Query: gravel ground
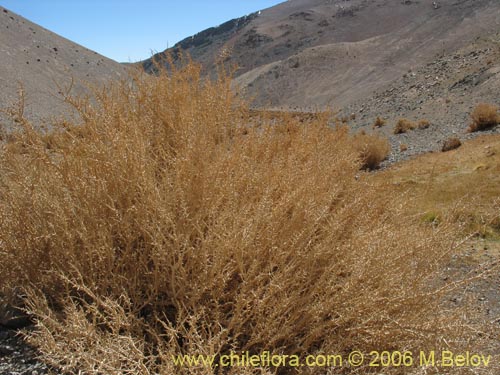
[(17, 357)]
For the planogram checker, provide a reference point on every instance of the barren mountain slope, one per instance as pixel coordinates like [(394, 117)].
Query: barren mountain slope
[(330, 53), (40, 61)]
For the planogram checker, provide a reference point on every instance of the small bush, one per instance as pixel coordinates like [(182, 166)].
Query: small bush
[(372, 150), (379, 122), (451, 144), (484, 116), (403, 125), (423, 124)]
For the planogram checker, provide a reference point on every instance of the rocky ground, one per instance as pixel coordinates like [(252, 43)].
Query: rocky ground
[(18, 358)]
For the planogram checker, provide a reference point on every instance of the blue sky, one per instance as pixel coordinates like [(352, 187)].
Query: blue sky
[(129, 30)]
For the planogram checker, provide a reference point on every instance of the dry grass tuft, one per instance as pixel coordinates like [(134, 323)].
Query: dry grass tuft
[(484, 116), (372, 150), (403, 125), (423, 124), (379, 122), (158, 226), (451, 144)]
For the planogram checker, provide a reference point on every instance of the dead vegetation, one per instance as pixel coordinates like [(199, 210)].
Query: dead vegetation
[(372, 150), (172, 222), (451, 144), (379, 122), (484, 116), (423, 124), (404, 125)]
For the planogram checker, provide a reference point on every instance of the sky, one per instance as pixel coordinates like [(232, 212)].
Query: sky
[(131, 30)]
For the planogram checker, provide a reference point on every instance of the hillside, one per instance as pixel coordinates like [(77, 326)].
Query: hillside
[(304, 53), (45, 64), (444, 91)]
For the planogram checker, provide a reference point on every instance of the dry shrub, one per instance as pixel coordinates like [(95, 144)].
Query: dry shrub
[(403, 125), (156, 228), (484, 116), (372, 150), (423, 124), (379, 122), (451, 144)]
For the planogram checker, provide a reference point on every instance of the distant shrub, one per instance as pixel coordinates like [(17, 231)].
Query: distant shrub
[(403, 125), (423, 124), (379, 122), (483, 117), (451, 144), (372, 150)]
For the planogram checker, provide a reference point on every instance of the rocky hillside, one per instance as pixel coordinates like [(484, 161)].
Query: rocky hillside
[(45, 64), (330, 53), (444, 92)]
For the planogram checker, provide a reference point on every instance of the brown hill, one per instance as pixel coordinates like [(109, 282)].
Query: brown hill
[(44, 64)]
